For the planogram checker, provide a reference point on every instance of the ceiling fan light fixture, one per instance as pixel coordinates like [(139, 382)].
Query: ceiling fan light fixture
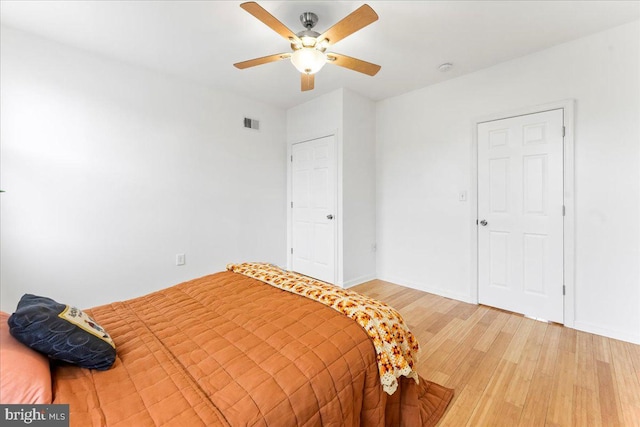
[(308, 60), (308, 41)]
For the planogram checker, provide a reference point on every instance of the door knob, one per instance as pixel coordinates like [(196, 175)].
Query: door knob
[(329, 216), (483, 222)]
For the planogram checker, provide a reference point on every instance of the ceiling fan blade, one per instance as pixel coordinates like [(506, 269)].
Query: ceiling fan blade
[(351, 23), (353, 64), (269, 20), (264, 60), (307, 82)]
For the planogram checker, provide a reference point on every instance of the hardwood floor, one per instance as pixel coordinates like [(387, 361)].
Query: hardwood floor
[(508, 370)]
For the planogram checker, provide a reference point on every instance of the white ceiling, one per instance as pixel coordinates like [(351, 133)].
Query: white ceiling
[(200, 40)]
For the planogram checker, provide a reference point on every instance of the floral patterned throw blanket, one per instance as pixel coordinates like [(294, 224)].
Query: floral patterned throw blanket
[(396, 347)]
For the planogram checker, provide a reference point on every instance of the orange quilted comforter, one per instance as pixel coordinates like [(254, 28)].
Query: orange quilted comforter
[(229, 350)]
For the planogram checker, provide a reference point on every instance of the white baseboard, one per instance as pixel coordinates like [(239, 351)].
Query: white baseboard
[(358, 280), (606, 332), (430, 289)]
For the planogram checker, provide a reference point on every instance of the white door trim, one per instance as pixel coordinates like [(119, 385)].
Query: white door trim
[(338, 202), (568, 107)]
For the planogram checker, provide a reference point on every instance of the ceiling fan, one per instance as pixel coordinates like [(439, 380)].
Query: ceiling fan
[(309, 48)]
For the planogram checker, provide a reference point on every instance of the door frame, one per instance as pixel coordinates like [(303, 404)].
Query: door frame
[(568, 107), (337, 224)]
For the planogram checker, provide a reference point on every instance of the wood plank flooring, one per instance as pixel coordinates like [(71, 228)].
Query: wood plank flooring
[(508, 370)]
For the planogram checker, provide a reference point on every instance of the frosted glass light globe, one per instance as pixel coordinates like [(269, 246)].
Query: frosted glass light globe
[(308, 60)]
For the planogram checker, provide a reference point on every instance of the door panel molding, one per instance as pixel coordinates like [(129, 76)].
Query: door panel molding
[(568, 107)]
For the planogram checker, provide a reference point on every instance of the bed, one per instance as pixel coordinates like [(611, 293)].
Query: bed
[(239, 349)]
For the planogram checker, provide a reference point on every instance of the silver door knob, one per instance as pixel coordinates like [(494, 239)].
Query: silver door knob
[(483, 222), (329, 216)]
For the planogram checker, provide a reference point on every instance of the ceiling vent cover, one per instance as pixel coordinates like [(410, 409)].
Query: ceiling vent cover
[(251, 123)]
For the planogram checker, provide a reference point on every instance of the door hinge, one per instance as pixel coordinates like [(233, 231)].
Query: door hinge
[(292, 155), (291, 251), (564, 210), (292, 204), (564, 131), (564, 290)]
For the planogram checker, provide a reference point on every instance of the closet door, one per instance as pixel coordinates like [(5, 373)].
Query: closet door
[(314, 201), (521, 215)]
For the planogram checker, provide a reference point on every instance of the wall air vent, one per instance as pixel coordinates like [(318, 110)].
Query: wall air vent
[(251, 123)]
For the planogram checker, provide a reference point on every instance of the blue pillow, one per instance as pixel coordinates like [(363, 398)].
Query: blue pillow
[(62, 333)]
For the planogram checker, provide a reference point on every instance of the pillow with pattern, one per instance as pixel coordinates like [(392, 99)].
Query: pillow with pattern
[(62, 332)]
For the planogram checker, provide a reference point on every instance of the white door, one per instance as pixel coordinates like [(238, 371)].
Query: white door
[(314, 189), (520, 213)]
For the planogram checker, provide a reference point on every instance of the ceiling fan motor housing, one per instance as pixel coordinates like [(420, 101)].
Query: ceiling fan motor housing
[(307, 38)]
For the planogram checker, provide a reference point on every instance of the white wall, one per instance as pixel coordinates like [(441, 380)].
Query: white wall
[(317, 117), (424, 143), (111, 170), (351, 118), (358, 187)]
